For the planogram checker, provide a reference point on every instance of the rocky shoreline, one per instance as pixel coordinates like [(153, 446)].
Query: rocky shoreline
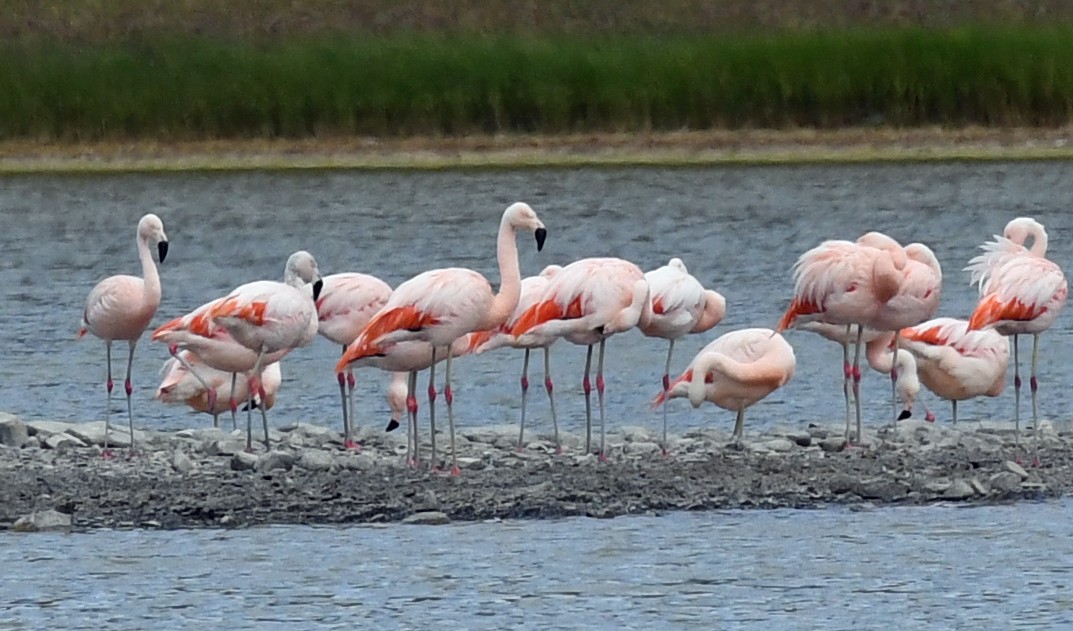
[(54, 476)]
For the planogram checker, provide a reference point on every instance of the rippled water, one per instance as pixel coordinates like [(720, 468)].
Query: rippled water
[(999, 567), (738, 229)]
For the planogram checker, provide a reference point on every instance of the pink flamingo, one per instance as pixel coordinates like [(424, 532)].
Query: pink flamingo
[(1021, 291), (917, 298), (678, 305), (956, 363), (255, 325), (120, 308), (532, 291), (585, 303), (407, 359), (875, 342), (346, 304), (846, 283), (187, 380), (439, 306), (734, 372)]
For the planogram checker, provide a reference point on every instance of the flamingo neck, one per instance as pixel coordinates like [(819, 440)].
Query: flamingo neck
[(878, 354), (150, 276), (886, 278), (1039, 241), (715, 307), (510, 278)]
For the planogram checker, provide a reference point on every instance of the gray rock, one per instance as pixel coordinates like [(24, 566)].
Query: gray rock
[(841, 483), (881, 489), (224, 447), (428, 518), (181, 462), (48, 427), (642, 447), (274, 460), (61, 442), (42, 520), (316, 460), (833, 444), (779, 445), (1013, 467), (637, 434), (359, 462), (93, 434), (959, 490), (800, 438), (243, 461), (470, 464), (978, 486), (13, 432), (1005, 483)]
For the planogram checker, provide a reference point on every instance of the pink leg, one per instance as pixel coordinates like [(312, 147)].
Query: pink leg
[(434, 465), (350, 395), (106, 453), (411, 409), (587, 387), (551, 399), (340, 378), (600, 396), (525, 391), (128, 386)]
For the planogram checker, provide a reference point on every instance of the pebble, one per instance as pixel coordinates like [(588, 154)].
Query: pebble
[(315, 460), (42, 520), (1015, 468), (242, 461), (13, 432), (428, 518), (959, 490), (181, 462), (1005, 482), (274, 460)]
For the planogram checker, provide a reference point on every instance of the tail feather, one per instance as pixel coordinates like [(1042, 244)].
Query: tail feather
[(475, 340), (407, 318), (798, 307), (992, 310), (546, 311), (932, 335)]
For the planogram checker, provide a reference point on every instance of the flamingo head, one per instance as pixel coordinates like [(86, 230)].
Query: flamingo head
[(151, 229), (302, 269), (520, 215)]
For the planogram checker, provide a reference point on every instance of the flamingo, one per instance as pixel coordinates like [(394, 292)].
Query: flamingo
[(956, 363), (1021, 292), (846, 283), (734, 372), (917, 298), (255, 325), (873, 340), (187, 380), (678, 305), (532, 290), (585, 303), (346, 304), (407, 359), (439, 306), (120, 308)]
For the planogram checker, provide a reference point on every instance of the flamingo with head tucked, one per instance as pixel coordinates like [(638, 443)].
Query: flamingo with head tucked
[(587, 302), (347, 302), (956, 363), (440, 306), (120, 308), (1021, 292), (678, 305), (185, 379), (734, 372)]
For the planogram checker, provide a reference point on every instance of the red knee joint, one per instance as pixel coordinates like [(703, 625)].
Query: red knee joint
[(600, 383), (109, 384), (525, 383), (666, 382), (856, 374), (1032, 383), (341, 378), (548, 385), (586, 385), (350, 380), (847, 371), (128, 386), (411, 404), (173, 349), (233, 402), (449, 395), (431, 392), (1017, 382)]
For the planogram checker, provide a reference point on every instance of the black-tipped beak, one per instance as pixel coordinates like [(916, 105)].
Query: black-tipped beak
[(317, 286), (392, 425), (905, 414), (162, 250), (541, 234)]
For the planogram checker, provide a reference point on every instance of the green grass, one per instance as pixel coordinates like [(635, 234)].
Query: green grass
[(398, 85)]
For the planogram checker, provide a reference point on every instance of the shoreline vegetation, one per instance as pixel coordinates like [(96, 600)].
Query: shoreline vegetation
[(251, 84)]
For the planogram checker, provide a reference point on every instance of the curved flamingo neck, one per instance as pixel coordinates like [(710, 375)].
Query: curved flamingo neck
[(715, 307), (878, 355), (150, 276), (1039, 241), (886, 278), (510, 278)]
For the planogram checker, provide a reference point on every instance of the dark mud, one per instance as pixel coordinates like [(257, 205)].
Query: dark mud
[(202, 478)]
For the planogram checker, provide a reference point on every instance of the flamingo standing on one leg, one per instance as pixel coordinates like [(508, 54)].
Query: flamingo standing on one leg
[(956, 363), (532, 291), (1021, 291), (841, 282), (187, 380), (440, 306), (255, 325), (120, 308), (587, 302), (678, 305), (734, 372), (346, 304)]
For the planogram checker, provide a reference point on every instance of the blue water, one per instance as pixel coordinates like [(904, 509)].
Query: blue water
[(997, 567)]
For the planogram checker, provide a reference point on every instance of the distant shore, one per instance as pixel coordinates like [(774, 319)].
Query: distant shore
[(700, 148), (54, 475)]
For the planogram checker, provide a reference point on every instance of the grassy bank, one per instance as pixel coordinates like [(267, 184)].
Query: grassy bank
[(403, 85)]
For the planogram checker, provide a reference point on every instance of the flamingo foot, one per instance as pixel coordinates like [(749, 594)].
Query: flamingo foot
[(1035, 461), (455, 472), (929, 417), (519, 449), (350, 444), (106, 454), (131, 455), (602, 457), (664, 452), (559, 451)]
